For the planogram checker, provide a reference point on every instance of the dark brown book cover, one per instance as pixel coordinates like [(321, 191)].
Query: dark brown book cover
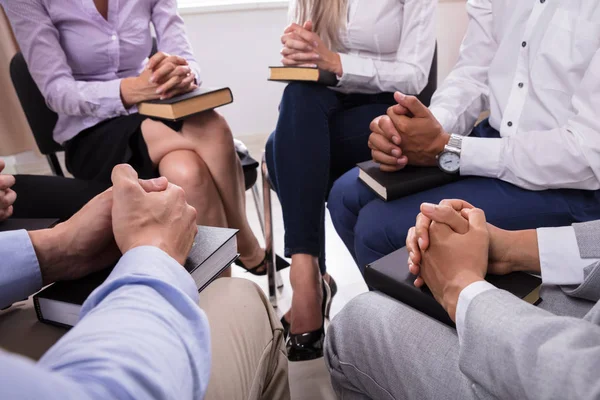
[(394, 185), (390, 275), (304, 74), (214, 250), (194, 102)]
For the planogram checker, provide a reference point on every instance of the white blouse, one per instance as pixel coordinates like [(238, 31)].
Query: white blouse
[(388, 45)]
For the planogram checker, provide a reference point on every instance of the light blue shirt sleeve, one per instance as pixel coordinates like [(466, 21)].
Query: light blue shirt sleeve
[(141, 335), (20, 274)]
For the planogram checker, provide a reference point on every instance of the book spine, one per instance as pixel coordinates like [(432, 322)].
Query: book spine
[(38, 309)]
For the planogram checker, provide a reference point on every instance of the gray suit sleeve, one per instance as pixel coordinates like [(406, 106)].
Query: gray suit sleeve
[(512, 349), (588, 239)]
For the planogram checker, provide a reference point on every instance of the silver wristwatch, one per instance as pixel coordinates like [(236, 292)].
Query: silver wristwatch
[(449, 159)]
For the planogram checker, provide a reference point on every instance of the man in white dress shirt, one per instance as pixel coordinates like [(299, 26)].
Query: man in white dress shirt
[(535, 162), (503, 347)]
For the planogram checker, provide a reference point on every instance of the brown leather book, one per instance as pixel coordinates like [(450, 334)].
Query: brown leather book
[(304, 74), (180, 107), (390, 275)]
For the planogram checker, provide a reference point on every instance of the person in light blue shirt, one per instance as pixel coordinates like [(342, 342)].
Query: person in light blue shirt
[(141, 334)]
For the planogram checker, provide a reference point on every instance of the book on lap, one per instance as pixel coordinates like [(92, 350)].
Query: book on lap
[(180, 107), (409, 180), (390, 275), (302, 74), (213, 251)]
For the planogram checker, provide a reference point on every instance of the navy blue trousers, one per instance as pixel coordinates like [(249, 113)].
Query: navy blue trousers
[(320, 135), (372, 228)]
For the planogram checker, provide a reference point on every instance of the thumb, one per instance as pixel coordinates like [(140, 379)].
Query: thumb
[(476, 218), (412, 104), (125, 182), (308, 25), (154, 185)]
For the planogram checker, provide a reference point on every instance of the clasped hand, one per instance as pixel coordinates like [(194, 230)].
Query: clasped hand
[(7, 195), (408, 134), (450, 247), (303, 47), (132, 213), (165, 76)]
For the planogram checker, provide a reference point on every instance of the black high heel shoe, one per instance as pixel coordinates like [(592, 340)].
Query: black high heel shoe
[(280, 264), (334, 289), (309, 346)]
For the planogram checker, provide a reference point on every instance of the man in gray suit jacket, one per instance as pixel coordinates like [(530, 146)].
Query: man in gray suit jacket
[(503, 348)]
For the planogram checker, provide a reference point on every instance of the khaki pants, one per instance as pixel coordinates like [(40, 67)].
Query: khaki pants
[(248, 350)]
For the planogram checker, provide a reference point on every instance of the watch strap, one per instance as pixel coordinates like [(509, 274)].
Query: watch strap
[(455, 142)]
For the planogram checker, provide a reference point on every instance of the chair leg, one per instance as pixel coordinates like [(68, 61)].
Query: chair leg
[(259, 209), (54, 164), (268, 226)]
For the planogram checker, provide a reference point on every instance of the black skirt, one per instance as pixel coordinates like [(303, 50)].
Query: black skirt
[(94, 152)]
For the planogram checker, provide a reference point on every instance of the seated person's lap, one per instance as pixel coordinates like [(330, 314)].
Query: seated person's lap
[(374, 228)]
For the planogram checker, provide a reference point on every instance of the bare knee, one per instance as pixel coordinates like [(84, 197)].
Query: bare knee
[(209, 124), (186, 169)]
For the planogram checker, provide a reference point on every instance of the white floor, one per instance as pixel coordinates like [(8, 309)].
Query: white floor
[(308, 380)]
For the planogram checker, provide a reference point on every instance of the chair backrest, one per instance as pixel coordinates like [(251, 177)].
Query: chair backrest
[(431, 87), (41, 119)]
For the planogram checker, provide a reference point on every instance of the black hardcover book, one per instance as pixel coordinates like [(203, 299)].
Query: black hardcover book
[(394, 185), (29, 224), (214, 250), (390, 275), (303, 74)]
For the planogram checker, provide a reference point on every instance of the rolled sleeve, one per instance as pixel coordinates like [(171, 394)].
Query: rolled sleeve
[(20, 275), (481, 157), (464, 299)]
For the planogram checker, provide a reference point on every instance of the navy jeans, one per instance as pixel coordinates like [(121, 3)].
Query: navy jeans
[(372, 228), (320, 135)]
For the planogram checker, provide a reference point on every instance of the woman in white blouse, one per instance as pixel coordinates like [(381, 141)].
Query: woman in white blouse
[(375, 48)]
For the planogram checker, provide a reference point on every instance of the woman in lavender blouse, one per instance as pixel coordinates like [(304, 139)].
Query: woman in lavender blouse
[(90, 60)]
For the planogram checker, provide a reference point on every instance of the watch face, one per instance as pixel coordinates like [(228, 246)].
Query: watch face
[(449, 162)]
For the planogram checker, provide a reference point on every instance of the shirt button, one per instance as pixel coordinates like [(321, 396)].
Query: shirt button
[(524, 44), (509, 123), (542, 1), (114, 37), (521, 84)]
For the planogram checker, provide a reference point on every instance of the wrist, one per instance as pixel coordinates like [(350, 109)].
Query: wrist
[(442, 141), (453, 290), (337, 65), (49, 252), (523, 252), (130, 95)]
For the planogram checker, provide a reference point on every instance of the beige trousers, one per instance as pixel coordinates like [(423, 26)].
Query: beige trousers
[(248, 351)]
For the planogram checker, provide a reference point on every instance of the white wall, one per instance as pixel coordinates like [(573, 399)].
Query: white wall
[(236, 47)]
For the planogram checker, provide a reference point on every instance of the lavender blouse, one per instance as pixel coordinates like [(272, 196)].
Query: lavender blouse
[(78, 58)]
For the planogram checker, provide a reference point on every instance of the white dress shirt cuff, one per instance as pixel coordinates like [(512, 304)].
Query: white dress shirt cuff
[(464, 299), (355, 69), (446, 119), (560, 258), (20, 275), (148, 261), (481, 157)]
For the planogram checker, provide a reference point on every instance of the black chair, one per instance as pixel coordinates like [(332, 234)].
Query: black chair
[(42, 121), (427, 93)]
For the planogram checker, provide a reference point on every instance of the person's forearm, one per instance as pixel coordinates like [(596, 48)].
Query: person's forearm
[(523, 252), (141, 334)]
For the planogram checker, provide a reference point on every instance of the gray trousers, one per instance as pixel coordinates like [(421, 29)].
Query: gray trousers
[(378, 348)]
